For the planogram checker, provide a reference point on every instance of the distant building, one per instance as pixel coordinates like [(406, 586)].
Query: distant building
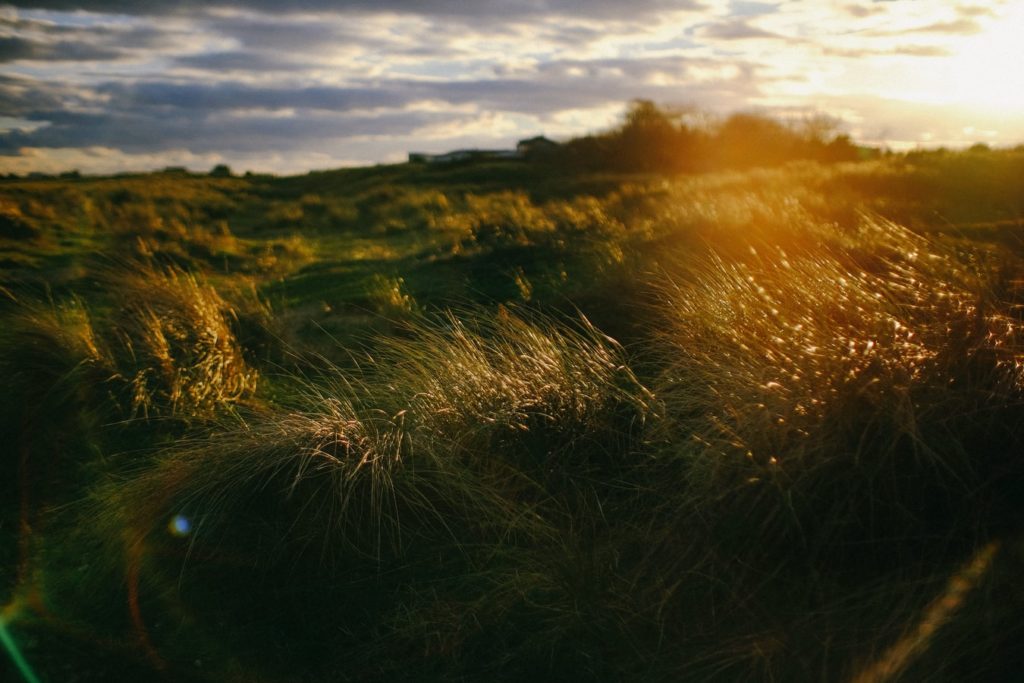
[(536, 146), (531, 147), (462, 155)]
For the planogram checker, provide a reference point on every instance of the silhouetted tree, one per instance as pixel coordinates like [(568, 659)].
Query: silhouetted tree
[(746, 140), (220, 171), (652, 138)]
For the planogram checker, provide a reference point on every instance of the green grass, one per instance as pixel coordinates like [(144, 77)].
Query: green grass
[(500, 421)]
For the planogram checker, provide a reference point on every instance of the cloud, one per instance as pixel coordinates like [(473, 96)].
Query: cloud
[(162, 96), (19, 49), (32, 40), (239, 60), (961, 27), (249, 132), (901, 50), (262, 42), (736, 29), (265, 82), (921, 51), (550, 86), (268, 34), (748, 8), (598, 9), (241, 117), (22, 95), (976, 11), (863, 11)]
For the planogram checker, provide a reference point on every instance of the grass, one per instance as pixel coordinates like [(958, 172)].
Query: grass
[(829, 419), (175, 334), (458, 424), (449, 454)]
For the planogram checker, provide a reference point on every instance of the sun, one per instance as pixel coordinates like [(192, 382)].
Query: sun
[(985, 72)]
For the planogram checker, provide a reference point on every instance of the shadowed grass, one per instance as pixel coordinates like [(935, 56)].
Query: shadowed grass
[(57, 368), (443, 463)]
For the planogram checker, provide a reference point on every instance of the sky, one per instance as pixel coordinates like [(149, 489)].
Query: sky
[(287, 86)]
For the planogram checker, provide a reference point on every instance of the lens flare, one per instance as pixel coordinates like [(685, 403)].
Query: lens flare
[(179, 526), (20, 663)]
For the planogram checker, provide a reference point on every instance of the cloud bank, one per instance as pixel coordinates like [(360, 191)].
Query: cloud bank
[(288, 86)]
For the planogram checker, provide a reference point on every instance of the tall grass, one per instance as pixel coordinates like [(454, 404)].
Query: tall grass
[(500, 494), (839, 423), (795, 360), (447, 459), (485, 381), (177, 345), (77, 376), (798, 467), (56, 366)]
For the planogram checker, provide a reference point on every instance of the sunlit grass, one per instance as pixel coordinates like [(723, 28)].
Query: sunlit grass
[(850, 381), (809, 420), (178, 347)]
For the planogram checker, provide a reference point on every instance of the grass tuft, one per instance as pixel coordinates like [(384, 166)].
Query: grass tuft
[(177, 343)]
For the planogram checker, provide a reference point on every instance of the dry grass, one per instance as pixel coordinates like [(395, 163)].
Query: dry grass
[(832, 431), (455, 400), (480, 382), (839, 420), (446, 456), (794, 356), (177, 344)]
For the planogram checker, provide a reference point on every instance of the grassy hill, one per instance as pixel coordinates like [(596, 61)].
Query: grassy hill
[(500, 420)]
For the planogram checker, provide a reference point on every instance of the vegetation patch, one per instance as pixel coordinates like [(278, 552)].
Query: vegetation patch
[(498, 422)]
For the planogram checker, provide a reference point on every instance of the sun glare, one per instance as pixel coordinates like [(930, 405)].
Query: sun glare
[(984, 72)]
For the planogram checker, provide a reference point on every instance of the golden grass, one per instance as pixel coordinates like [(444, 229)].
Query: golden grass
[(833, 424), (778, 343), (450, 406), (177, 344)]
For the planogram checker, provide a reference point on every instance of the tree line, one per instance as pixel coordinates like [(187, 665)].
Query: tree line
[(652, 138)]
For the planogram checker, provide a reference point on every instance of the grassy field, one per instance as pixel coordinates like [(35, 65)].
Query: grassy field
[(497, 421)]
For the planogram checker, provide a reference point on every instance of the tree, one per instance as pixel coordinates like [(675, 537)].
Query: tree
[(746, 140), (652, 138)]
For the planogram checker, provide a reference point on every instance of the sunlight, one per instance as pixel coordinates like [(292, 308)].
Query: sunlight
[(511, 339), (984, 73)]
